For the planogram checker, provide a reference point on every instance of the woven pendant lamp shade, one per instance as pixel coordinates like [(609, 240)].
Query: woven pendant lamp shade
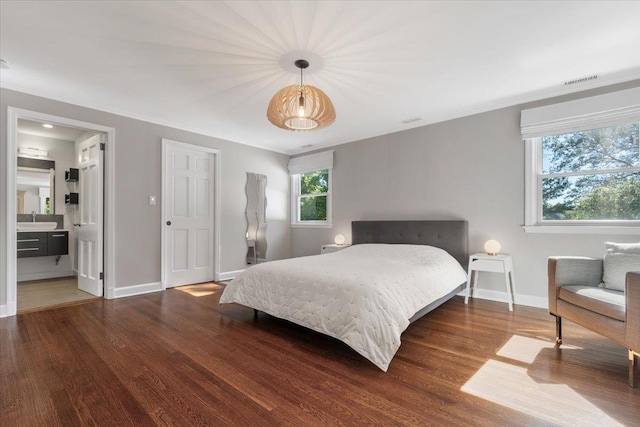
[(301, 107), (284, 111)]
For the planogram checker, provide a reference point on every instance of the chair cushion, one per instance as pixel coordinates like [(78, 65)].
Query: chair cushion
[(607, 302)]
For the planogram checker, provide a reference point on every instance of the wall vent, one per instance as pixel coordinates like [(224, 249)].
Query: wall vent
[(411, 120), (580, 80)]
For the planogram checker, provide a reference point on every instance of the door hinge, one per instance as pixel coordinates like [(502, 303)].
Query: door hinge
[(102, 144), (101, 276)]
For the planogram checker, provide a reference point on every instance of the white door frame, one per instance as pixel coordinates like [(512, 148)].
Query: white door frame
[(8, 263), (216, 205)]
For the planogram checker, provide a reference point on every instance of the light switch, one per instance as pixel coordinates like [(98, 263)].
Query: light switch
[(152, 200)]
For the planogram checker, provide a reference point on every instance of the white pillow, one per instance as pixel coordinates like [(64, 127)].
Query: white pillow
[(619, 260), (623, 248)]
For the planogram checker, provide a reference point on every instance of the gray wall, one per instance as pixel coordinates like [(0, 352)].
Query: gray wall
[(138, 170), (470, 168)]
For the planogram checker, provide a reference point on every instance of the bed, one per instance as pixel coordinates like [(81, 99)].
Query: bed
[(365, 295)]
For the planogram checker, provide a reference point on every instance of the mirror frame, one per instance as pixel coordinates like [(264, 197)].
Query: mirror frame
[(50, 165)]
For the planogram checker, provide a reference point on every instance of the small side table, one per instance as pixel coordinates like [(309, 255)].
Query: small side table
[(501, 263), (327, 249)]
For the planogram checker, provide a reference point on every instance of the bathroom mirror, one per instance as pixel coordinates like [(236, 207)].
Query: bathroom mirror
[(35, 185), (256, 217)]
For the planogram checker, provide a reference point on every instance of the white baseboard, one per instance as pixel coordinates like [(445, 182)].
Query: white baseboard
[(44, 275), (129, 291), (228, 275), (7, 310), (533, 301), (500, 296)]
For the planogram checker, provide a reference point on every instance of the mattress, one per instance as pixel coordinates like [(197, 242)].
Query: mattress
[(363, 295)]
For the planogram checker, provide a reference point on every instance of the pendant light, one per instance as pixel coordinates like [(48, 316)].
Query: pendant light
[(301, 107)]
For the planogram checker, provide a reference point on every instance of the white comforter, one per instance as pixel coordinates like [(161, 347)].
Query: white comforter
[(363, 295)]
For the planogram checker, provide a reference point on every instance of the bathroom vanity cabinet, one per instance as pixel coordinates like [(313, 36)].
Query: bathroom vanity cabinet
[(42, 243)]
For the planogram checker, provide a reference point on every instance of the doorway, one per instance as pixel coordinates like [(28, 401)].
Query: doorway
[(52, 218), (190, 214), (104, 262)]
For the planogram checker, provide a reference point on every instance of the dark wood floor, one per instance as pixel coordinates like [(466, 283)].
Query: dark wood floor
[(178, 358)]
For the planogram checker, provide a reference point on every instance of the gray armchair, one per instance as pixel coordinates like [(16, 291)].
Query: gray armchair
[(574, 294)]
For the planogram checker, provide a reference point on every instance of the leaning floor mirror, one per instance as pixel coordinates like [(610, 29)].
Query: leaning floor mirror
[(256, 217)]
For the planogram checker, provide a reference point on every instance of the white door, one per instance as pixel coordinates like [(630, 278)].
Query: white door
[(188, 207), (90, 201)]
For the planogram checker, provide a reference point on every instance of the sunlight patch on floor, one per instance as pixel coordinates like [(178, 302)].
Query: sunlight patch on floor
[(200, 290), (526, 349), (510, 385)]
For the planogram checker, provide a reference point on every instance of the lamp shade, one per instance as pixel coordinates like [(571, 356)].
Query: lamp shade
[(492, 247), (288, 112), (339, 239), (301, 107)]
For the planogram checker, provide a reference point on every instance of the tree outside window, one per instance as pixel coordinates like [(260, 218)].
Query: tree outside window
[(591, 175), (312, 200)]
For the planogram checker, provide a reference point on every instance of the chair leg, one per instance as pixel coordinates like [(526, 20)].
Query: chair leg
[(633, 368), (558, 330)]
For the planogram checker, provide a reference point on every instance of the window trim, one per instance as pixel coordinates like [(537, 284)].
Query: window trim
[(533, 204), (295, 205)]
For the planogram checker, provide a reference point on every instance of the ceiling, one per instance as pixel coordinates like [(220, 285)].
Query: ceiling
[(212, 67), (64, 133)]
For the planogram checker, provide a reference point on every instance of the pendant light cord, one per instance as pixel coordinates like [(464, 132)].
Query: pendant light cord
[(301, 98)]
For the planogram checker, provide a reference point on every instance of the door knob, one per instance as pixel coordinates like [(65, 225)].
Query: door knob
[(168, 222)]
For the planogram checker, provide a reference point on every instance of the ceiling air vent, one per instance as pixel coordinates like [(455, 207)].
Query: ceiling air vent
[(411, 120), (580, 80), (307, 146)]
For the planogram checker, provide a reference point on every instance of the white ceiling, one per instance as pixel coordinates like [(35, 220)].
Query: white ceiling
[(65, 133), (212, 67)]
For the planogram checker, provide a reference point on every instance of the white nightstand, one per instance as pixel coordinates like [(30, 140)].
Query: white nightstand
[(501, 263), (327, 249)]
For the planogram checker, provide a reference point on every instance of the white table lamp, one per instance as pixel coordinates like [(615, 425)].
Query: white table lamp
[(492, 247)]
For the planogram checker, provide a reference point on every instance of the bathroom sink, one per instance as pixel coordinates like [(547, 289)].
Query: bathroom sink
[(37, 226)]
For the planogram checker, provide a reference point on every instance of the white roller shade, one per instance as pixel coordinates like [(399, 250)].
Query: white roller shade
[(310, 163), (600, 111)]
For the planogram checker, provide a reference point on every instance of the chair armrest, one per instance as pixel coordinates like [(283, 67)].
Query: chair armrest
[(632, 297), (564, 270)]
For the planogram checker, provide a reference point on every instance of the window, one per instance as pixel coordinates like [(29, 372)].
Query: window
[(591, 175), (312, 194), (311, 190), (583, 165)]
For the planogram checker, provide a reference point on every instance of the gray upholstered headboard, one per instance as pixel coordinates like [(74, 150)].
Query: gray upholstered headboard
[(452, 236)]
